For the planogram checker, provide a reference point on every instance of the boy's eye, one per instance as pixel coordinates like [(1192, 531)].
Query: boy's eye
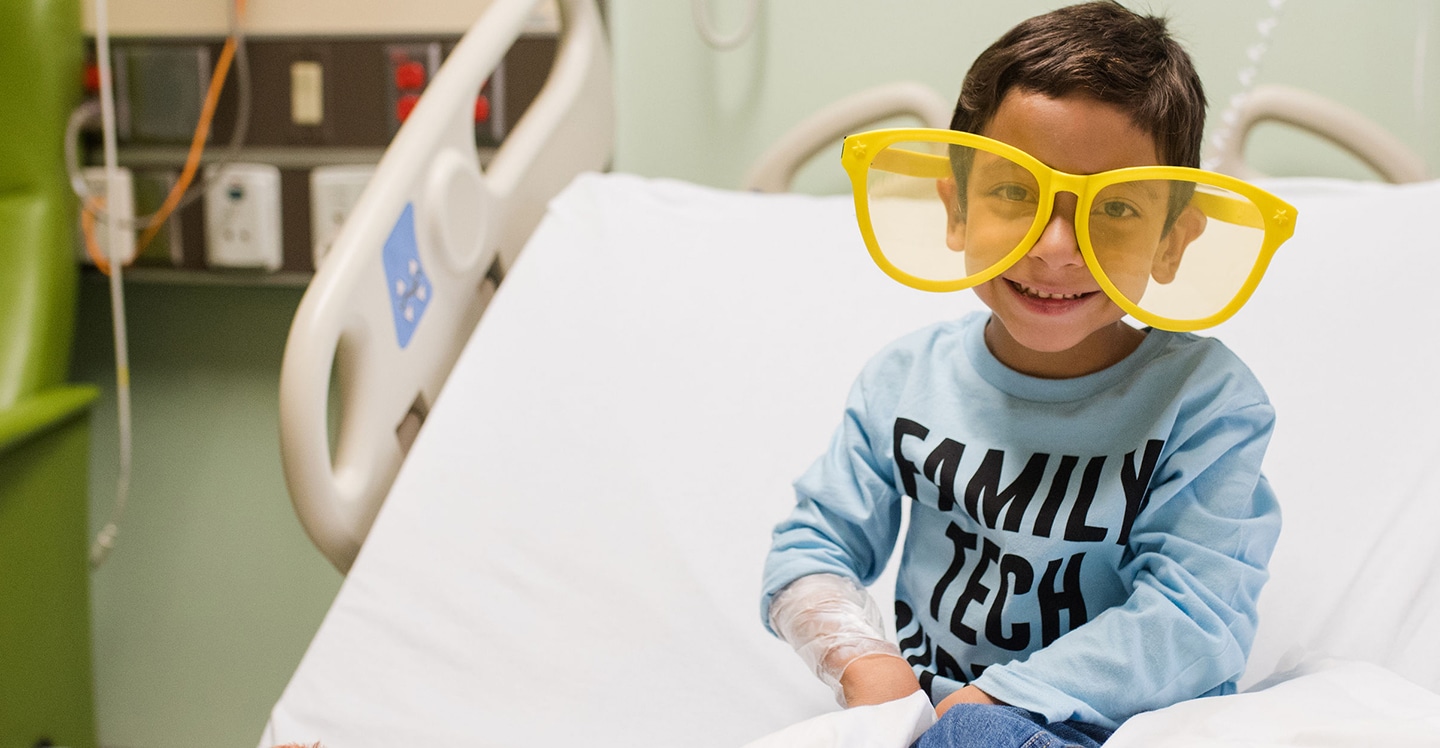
[(1115, 209), (1012, 191)]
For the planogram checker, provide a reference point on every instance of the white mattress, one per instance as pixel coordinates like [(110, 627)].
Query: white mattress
[(572, 552)]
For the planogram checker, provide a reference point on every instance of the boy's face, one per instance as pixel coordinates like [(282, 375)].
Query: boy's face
[(1050, 317)]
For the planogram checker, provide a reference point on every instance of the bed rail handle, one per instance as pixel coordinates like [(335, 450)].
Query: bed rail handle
[(429, 201), (329, 496), (775, 169), (1352, 131)]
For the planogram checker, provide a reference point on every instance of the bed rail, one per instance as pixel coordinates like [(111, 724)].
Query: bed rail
[(401, 289), (775, 169), (1350, 130), (1391, 159)]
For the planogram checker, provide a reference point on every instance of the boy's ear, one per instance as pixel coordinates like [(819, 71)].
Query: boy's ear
[(1188, 226), (954, 216)]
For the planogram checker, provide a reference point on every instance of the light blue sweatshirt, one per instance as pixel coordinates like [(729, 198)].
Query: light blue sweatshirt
[(1085, 548)]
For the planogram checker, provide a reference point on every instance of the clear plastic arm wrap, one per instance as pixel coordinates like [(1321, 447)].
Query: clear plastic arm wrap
[(831, 621)]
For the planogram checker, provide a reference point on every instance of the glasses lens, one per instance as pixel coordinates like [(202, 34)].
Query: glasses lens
[(1177, 249), (949, 213)]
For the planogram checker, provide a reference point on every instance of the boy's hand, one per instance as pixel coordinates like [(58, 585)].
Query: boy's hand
[(876, 679), (966, 695)]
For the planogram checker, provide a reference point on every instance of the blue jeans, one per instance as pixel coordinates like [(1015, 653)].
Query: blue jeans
[(986, 726)]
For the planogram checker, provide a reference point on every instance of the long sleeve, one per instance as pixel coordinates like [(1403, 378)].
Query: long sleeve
[(847, 513)]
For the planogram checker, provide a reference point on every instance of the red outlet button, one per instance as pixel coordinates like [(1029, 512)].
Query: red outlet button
[(409, 76), (482, 108)]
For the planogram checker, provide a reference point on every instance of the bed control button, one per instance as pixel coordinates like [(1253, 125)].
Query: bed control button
[(410, 287)]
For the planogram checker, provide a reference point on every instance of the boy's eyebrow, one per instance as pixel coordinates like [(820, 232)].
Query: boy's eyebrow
[(1149, 188)]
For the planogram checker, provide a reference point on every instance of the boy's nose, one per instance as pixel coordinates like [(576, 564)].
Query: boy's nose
[(1057, 245)]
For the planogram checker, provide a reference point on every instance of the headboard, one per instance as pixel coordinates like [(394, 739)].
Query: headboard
[(1395, 162), (1344, 127)]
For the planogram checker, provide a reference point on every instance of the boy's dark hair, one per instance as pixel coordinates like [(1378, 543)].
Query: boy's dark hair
[(1102, 50)]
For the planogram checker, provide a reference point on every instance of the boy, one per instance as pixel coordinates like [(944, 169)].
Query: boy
[(1089, 527)]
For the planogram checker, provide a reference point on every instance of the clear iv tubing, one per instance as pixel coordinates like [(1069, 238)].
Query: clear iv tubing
[(1417, 77), (105, 540), (1255, 54), (87, 112)]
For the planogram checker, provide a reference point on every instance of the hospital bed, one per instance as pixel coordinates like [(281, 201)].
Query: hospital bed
[(584, 483)]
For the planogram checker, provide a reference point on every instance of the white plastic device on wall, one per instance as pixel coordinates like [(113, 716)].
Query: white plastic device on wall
[(242, 217), (119, 200), (334, 190)]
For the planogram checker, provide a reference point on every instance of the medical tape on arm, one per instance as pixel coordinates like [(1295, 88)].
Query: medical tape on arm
[(830, 621)]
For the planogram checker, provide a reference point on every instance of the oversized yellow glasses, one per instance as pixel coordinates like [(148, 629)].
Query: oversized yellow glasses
[(1176, 248)]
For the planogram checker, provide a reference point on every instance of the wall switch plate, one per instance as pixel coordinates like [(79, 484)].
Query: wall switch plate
[(121, 206), (307, 92), (334, 190), (242, 216)]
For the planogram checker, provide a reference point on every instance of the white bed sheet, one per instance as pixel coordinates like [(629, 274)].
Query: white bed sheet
[(1324, 703), (572, 551)]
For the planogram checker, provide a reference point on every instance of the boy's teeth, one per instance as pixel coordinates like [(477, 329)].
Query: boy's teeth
[(1028, 291)]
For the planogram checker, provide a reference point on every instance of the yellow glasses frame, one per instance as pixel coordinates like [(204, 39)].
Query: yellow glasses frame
[(871, 150)]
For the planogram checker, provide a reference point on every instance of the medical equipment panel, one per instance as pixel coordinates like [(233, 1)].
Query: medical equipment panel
[(304, 105)]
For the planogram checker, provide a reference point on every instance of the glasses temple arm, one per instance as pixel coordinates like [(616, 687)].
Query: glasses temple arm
[(912, 164)]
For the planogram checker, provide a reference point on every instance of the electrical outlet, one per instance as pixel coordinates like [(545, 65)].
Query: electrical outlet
[(242, 216), (334, 190), (410, 66), (120, 206)]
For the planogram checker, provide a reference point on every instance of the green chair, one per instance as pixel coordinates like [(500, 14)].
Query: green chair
[(46, 691)]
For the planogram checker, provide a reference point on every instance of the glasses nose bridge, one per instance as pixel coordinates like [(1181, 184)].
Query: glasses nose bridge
[(1066, 212), (1074, 184), (1077, 185)]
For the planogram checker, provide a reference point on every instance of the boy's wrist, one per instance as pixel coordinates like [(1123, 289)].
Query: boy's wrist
[(877, 678), (966, 695)]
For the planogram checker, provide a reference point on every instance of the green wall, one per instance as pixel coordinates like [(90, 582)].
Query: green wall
[(213, 592), (691, 112)]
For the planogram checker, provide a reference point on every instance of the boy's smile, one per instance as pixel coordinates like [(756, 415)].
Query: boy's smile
[(1049, 317)]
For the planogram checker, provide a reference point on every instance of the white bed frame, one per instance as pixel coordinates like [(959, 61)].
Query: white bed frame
[(1346, 128), (469, 220), (775, 170)]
